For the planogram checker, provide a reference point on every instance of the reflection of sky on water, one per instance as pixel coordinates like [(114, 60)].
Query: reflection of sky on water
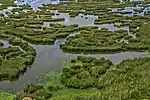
[(139, 10), (36, 3), (111, 27), (5, 43), (50, 57), (122, 1), (6, 10)]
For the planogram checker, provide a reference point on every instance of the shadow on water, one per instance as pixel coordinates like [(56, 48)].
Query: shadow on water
[(50, 57)]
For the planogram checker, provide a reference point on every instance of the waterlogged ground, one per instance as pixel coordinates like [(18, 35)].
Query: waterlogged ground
[(50, 57)]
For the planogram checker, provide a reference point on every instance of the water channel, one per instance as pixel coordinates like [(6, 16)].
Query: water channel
[(50, 57)]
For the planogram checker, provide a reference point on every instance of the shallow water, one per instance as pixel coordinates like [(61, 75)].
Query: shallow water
[(4, 11), (50, 57), (122, 1), (73, 20), (5, 43), (111, 27), (36, 3), (133, 10)]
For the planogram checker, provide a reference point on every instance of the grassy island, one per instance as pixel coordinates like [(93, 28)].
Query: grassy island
[(87, 78), (6, 3), (84, 78)]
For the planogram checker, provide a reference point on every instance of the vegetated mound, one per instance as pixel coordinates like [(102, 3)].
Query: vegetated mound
[(30, 26), (85, 72), (15, 59), (6, 3), (21, 29), (94, 40), (127, 80), (115, 29), (87, 78), (6, 96)]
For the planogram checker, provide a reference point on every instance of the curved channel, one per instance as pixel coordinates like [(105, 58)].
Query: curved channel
[(50, 57)]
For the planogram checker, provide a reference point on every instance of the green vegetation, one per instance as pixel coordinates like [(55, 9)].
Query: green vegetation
[(21, 29), (87, 78), (6, 3), (14, 59), (85, 72), (10, 68), (29, 26), (6, 96), (48, 83), (94, 40), (99, 41), (83, 78)]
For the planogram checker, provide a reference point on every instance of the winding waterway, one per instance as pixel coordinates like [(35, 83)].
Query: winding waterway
[(50, 57)]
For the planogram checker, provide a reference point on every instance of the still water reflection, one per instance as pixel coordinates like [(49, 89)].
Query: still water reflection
[(50, 57)]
